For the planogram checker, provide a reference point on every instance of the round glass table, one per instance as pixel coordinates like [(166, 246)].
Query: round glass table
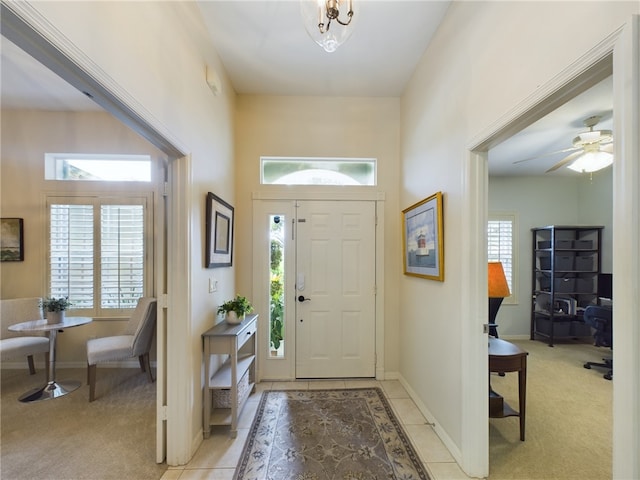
[(53, 388)]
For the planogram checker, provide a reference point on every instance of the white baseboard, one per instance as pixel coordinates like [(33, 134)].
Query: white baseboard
[(442, 434), (22, 365)]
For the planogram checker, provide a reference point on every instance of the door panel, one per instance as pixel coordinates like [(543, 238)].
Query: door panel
[(335, 323), (279, 366)]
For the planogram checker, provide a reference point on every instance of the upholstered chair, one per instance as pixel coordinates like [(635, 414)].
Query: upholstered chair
[(17, 344), (135, 342)]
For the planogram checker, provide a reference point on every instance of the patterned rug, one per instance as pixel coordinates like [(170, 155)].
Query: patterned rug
[(327, 435)]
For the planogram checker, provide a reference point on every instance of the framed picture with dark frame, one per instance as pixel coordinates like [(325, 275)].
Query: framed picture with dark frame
[(423, 242), (11, 240), (219, 226)]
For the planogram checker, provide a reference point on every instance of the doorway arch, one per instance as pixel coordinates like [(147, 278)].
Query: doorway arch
[(618, 54), (25, 27)]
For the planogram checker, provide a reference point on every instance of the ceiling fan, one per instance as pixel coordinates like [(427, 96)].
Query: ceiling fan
[(591, 150)]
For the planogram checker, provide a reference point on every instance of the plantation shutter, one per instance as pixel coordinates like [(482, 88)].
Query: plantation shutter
[(122, 255), (71, 255), (500, 244), (98, 251)]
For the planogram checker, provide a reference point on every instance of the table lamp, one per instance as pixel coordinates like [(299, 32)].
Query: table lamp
[(498, 289)]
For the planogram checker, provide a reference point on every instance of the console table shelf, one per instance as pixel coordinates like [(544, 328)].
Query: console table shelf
[(221, 379), (235, 379)]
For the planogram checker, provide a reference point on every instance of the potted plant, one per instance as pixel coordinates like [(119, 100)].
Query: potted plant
[(235, 309), (54, 308)]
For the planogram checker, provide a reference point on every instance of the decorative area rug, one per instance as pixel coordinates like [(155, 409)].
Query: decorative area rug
[(327, 435)]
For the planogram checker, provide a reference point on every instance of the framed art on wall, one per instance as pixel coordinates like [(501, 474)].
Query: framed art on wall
[(11, 240), (422, 236), (219, 226)]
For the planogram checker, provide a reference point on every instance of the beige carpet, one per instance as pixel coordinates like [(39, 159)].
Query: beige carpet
[(568, 420), (68, 438), (326, 435)]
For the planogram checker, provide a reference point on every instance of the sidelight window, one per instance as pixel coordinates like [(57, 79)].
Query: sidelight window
[(277, 286)]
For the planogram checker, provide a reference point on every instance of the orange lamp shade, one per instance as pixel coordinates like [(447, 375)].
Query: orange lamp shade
[(498, 287)]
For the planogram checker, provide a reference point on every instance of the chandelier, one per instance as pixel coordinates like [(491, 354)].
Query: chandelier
[(327, 21)]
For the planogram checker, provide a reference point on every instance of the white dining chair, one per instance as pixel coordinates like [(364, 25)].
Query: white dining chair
[(16, 344), (135, 342)]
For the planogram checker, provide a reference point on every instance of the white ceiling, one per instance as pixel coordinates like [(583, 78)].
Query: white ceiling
[(266, 51)]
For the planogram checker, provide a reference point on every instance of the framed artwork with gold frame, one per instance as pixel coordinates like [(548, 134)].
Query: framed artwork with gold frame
[(423, 239)]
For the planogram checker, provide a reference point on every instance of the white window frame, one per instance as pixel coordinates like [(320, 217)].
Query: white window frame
[(511, 217), (316, 161), (96, 200), (53, 165)]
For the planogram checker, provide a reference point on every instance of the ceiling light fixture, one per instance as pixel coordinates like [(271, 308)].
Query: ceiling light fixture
[(592, 161), (594, 157), (324, 22)]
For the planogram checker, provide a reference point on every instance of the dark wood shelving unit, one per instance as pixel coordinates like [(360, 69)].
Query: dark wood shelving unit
[(566, 264)]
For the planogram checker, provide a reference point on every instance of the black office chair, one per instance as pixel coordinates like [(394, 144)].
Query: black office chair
[(599, 317)]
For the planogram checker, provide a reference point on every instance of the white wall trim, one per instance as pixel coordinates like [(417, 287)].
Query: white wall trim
[(573, 80), (474, 448), (626, 251), (380, 316), (310, 192), (180, 370)]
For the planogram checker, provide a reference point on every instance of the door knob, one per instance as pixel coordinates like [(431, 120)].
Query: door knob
[(302, 299)]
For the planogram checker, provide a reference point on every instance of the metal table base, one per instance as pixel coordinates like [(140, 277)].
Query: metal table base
[(52, 389)]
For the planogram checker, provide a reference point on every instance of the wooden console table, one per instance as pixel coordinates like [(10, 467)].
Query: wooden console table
[(507, 357), (235, 379)]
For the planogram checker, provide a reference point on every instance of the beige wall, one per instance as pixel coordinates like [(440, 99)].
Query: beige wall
[(486, 58), (26, 137), (322, 127)]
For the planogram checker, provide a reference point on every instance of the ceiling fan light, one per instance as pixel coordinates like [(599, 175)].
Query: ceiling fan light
[(591, 162), (593, 137)]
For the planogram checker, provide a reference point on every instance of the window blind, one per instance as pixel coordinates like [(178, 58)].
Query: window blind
[(500, 245), (72, 253), (98, 252), (122, 255)]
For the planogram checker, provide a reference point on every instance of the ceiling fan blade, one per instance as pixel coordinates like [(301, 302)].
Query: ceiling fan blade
[(565, 161), (545, 155)]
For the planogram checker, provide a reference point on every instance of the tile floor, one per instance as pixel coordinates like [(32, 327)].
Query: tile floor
[(218, 455)]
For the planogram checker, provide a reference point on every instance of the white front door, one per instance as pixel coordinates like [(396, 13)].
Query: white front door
[(335, 289)]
